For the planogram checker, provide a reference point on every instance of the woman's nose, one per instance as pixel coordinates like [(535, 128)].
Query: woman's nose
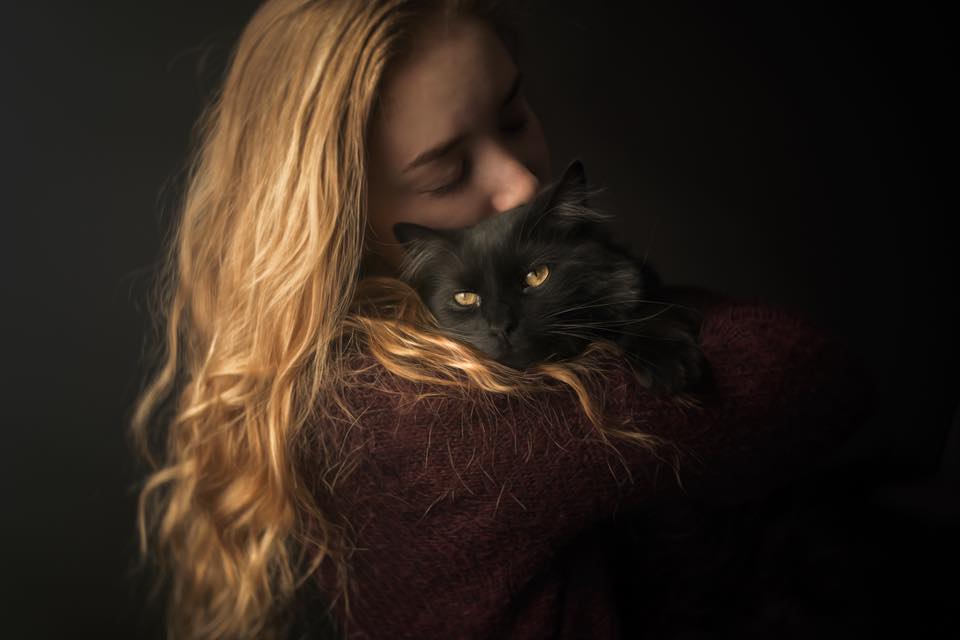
[(515, 185)]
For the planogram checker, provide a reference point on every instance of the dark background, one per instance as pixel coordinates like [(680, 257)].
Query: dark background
[(792, 151)]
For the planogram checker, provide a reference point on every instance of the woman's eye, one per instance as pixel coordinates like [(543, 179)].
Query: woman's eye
[(445, 189), (452, 185), (466, 298), (536, 277)]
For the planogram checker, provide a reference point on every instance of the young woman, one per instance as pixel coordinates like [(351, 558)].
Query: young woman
[(318, 434)]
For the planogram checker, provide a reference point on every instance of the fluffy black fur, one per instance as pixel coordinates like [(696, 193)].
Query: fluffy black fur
[(596, 288)]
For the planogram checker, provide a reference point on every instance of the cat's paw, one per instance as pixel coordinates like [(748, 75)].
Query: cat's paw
[(673, 370), (667, 351)]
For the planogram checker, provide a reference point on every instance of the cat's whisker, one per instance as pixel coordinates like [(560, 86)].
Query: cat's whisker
[(571, 334), (604, 323), (612, 322), (622, 332), (583, 306), (607, 323), (589, 303), (626, 301), (618, 302)]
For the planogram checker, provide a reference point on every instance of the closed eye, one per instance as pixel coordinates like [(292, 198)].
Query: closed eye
[(453, 185)]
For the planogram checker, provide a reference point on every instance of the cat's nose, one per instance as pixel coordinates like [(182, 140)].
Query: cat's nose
[(502, 328)]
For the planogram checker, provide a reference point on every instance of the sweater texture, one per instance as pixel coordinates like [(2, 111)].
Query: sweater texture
[(490, 520)]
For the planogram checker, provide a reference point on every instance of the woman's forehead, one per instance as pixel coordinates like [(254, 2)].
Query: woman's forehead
[(451, 81)]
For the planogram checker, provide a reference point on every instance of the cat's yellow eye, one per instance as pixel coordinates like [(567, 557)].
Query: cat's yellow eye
[(466, 298), (536, 277)]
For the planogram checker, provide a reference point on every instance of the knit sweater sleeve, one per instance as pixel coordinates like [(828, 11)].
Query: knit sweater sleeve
[(455, 485)]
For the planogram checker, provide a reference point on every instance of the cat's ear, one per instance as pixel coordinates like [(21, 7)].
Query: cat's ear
[(565, 206), (407, 232), (571, 188), (419, 244)]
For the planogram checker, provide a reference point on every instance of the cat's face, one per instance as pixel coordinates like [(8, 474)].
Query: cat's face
[(525, 285)]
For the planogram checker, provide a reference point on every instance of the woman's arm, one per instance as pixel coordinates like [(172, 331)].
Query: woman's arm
[(460, 512), (782, 391)]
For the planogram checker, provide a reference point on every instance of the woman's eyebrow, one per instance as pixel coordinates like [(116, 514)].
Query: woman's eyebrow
[(444, 148)]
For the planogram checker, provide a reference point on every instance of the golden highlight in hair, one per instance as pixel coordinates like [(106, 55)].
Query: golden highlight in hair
[(259, 300)]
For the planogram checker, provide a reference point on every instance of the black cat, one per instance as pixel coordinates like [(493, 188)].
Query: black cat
[(541, 281)]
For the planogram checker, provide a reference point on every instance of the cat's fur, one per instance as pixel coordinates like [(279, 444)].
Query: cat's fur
[(595, 289)]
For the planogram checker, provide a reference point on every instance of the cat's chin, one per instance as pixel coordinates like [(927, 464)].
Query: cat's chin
[(516, 361), (522, 362), (519, 365)]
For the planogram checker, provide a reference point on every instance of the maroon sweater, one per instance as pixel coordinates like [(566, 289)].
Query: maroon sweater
[(477, 524)]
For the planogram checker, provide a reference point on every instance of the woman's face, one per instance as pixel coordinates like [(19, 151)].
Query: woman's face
[(453, 140)]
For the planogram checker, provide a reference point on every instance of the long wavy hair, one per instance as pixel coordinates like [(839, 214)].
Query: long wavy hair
[(259, 302)]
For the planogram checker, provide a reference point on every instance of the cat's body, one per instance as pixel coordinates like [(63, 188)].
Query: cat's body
[(543, 280)]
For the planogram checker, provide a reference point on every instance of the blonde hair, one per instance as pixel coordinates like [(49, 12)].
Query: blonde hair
[(259, 301)]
